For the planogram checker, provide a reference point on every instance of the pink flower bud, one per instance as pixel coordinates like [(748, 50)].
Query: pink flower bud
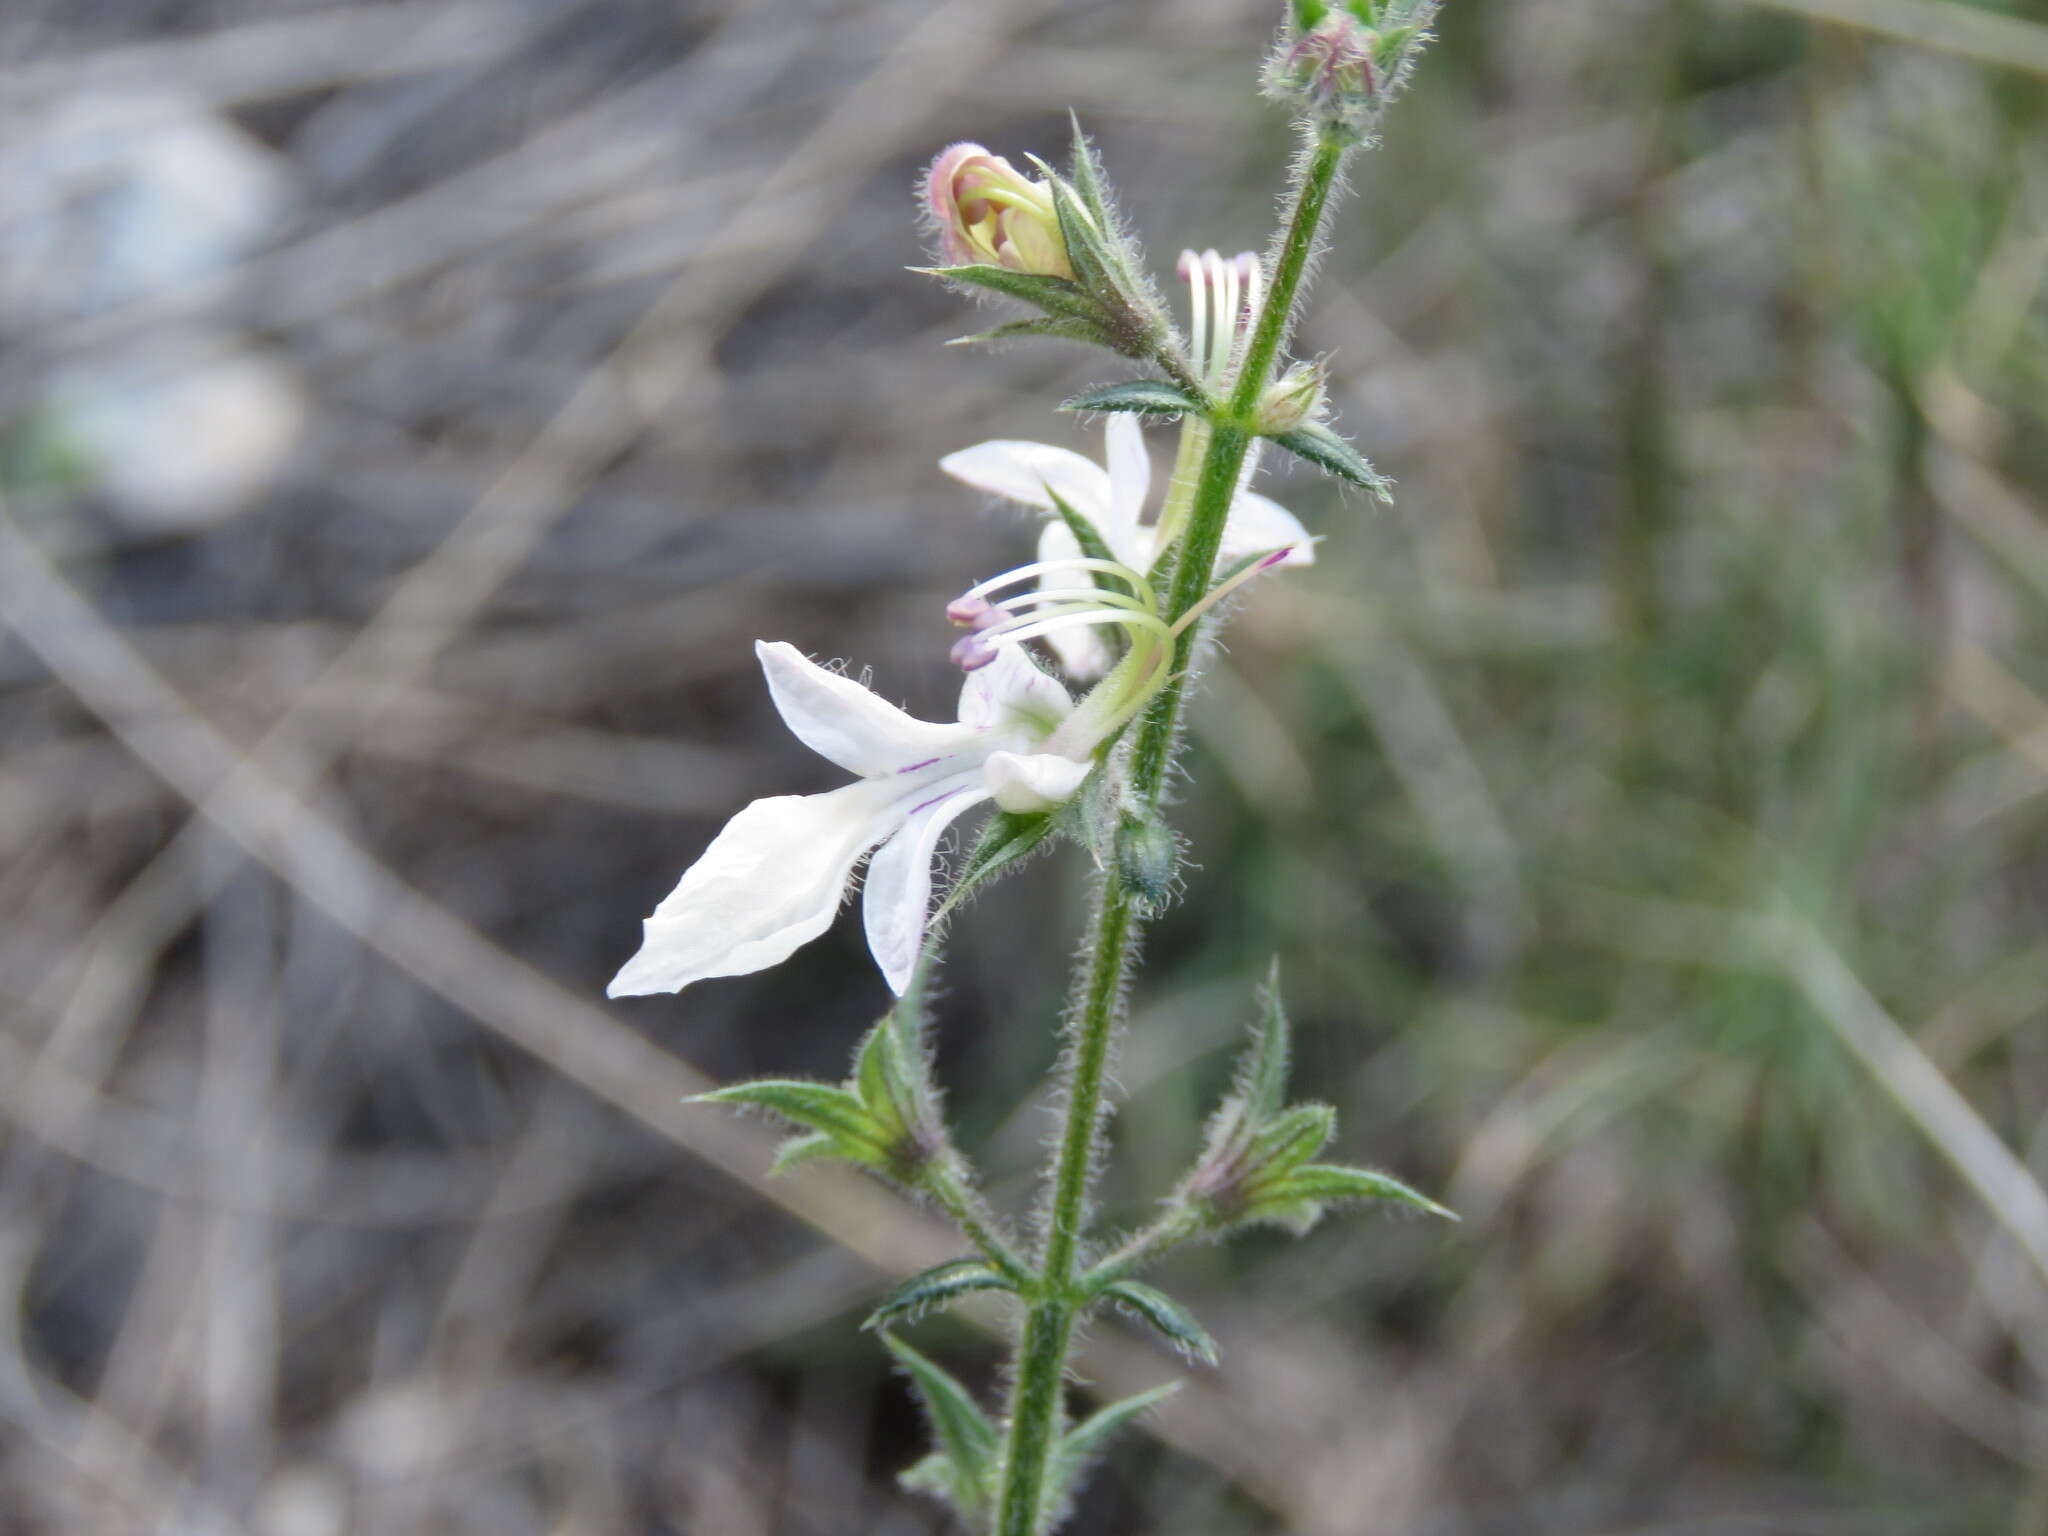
[(987, 213)]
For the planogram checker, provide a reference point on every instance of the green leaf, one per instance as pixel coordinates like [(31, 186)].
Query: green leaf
[(1262, 1074), (1329, 1184), (966, 1439), (939, 1286), (807, 1148), (881, 1080), (1005, 838), (1288, 1140), (1062, 328), (1145, 397), (1174, 1322), (815, 1106), (1055, 295), (1080, 1445), (1087, 249), (1085, 172), (1086, 534), (934, 1475), (1330, 453)]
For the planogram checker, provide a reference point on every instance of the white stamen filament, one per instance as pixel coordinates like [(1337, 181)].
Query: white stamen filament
[(1041, 567), (1222, 344), (1223, 589), (1094, 597), (1192, 273)]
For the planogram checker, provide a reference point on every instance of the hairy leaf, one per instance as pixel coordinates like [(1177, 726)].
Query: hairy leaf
[(1328, 1184), (1055, 295), (1005, 838), (1080, 1445), (966, 1439), (1330, 453), (938, 1286), (1145, 397), (815, 1106), (1085, 172), (1060, 328), (1290, 1139), (1174, 1322)]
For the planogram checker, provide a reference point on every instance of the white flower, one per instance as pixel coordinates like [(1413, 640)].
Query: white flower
[(772, 880), (1112, 500)]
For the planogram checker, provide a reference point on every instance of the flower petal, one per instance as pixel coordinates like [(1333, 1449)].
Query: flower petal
[(853, 726), (1022, 472), (1258, 524), (768, 884), (1032, 781), (1013, 697), (1130, 481), (897, 894), (1083, 654)]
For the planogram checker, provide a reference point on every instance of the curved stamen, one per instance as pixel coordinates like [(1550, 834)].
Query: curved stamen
[(1093, 596), (1225, 275), (1223, 589), (1191, 273), (1041, 567)]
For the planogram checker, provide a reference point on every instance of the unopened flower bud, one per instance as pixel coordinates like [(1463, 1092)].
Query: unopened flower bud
[(988, 213), (1147, 854), (1328, 66), (1293, 398)]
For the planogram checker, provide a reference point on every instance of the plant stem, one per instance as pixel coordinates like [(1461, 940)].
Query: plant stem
[(961, 1201), (1040, 1365), (1048, 1326), (1194, 563)]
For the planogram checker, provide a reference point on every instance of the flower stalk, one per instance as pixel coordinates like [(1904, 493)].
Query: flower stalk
[(1039, 1370)]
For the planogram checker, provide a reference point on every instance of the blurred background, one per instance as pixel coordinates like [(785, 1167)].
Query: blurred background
[(410, 413)]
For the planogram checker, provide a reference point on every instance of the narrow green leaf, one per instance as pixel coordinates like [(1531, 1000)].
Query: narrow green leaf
[(816, 1106), (1145, 397), (934, 1475), (1085, 533), (939, 1286), (1327, 1183), (1059, 328), (966, 1439), (1289, 1139), (1005, 838), (1330, 453), (1055, 295), (808, 1148), (1087, 249), (880, 1079), (1174, 1322), (1085, 172), (1297, 1216), (1084, 1442), (1262, 1071)]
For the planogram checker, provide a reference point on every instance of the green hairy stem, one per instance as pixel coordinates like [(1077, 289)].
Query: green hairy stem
[(1053, 1302)]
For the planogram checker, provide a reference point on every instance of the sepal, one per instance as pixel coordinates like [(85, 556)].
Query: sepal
[(1006, 838), (961, 1470), (1058, 327), (1314, 441), (1176, 1324), (1054, 295), (1144, 397), (1080, 1446), (1255, 1161), (939, 1286), (885, 1118), (1296, 1200)]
